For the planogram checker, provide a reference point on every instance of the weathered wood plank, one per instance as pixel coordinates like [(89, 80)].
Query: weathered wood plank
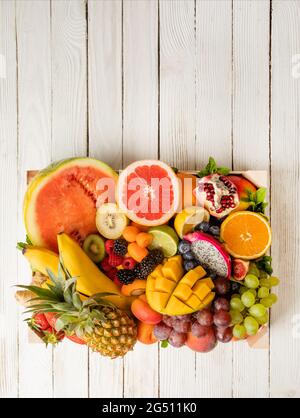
[(213, 137), (250, 150), (177, 147), (34, 104), (9, 319), (285, 156), (69, 138), (105, 140), (140, 141)]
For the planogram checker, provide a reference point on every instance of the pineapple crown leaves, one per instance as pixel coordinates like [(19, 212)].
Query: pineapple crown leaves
[(212, 168), (256, 200), (61, 297)]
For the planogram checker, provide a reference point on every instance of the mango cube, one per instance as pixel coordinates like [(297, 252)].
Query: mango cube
[(172, 270), (201, 290), (162, 284), (183, 292), (176, 307), (171, 292)]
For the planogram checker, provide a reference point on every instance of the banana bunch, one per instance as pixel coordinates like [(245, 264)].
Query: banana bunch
[(90, 280)]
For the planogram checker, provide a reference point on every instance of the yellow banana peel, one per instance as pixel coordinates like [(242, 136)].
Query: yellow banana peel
[(42, 260), (90, 279)]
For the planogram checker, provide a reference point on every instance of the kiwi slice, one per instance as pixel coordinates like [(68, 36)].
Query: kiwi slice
[(94, 247)]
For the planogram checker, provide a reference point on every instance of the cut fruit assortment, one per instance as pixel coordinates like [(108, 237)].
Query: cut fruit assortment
[(152, 255)]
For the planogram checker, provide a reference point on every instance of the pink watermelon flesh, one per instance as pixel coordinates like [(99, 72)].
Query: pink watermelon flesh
[(67, 203), (156, 200)]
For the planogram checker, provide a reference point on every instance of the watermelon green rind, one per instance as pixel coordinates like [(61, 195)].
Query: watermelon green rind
[(41, 179)]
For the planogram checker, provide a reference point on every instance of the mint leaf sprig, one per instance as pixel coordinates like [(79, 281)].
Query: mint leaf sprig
[(265, 264), (256, 200), (212, 168)]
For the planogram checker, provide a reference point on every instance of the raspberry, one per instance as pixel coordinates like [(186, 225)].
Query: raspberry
[(129, 263), (109, 245), (105, 266), (115, 260), (112, 273)]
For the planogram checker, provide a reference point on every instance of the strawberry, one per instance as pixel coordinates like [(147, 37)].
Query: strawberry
[(76, 339), (115, 260), (53, 337), (39, 321), (51, 318), (109, 246)]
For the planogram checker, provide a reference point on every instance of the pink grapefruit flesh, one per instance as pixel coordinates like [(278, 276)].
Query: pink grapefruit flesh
[(148, 192)]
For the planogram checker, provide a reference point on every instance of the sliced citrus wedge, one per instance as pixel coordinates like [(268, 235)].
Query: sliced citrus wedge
[(186, 220), (246, 235)]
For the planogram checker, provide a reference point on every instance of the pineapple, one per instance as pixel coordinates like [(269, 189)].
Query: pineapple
[(105, 328)]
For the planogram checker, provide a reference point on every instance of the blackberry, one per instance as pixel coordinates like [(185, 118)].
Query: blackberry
[(156, 255), (148, 264), (126, 276), (120, 247)]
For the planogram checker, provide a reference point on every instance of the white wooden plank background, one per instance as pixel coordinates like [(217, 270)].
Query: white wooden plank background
[(174, 79)]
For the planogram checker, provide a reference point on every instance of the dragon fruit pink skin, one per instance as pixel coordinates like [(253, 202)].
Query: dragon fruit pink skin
[(210, 254)]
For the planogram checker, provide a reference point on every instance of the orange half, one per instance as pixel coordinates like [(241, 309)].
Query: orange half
[(246, 235)]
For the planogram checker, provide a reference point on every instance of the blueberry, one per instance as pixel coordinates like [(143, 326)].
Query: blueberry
[(184, 247), (188, 256), (189, 265), (235, 287), (202, 227), (214, 230)]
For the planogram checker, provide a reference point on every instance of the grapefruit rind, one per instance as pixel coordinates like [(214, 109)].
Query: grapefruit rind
[(41, 179), (131, 214)]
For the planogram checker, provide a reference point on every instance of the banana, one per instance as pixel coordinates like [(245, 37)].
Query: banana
[(42, 259), (90, 279)]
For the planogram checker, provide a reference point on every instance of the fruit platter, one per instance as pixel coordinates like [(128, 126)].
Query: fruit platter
[(147, 255)]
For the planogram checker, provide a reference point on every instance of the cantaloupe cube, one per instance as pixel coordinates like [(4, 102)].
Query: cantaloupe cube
[(201, 290), (209, 282), (183, 292), (164, 285), (172, 270), (194, 302), (176, 307), (157, 300), (208, 299)]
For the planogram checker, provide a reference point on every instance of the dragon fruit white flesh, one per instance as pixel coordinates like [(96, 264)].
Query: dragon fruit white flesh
[(210, 253)]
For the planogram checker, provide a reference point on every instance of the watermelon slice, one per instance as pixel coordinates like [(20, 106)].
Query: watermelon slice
[(64, 198), (148, 192)]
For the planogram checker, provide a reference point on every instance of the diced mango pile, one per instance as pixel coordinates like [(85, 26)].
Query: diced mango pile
[(170, 292)]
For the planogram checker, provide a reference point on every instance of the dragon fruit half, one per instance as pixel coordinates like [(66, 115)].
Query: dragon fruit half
[(210, 253)]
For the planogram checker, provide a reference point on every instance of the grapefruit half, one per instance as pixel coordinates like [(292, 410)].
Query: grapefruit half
[(64, 198), (148, 192)]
